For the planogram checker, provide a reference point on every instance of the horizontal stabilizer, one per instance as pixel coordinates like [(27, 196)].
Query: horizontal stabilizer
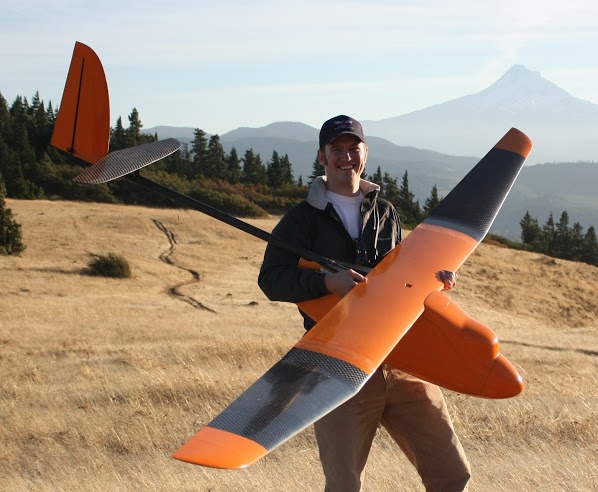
[(448, 347), (445, 346), (126, 161)]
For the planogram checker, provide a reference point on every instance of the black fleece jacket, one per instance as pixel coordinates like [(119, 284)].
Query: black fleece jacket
[(315, 226)]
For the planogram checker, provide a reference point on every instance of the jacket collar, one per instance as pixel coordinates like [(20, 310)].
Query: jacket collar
[(317, 191)]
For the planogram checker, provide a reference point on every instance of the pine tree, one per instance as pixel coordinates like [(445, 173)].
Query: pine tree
[(408, 207), (317, 169), (118, 136), (562, 239), (286, 169), (377, 179), (51, 114), (548, 235), (36, 102), (4, 116), (134, 136), (234, 166), (40, 130), (215, 167), (10, 231), (589, 250), (274, 171), (199, 149), (260, 171), (391, 190), (531, 234), (17, 135), (432, 201), (254, 172), (575, 242)]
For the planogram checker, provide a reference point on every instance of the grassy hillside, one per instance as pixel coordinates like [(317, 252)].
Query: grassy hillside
[(103, 379)]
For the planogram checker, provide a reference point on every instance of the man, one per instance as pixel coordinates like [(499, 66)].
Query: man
[(344, 219)]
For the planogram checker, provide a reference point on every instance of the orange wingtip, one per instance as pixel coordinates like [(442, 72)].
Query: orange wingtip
[(220, 449), (515, 141)]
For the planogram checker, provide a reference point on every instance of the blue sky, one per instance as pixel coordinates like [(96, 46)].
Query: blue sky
[(222, 64)]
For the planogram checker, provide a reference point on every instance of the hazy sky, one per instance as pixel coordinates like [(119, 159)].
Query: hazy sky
[(221, 64)]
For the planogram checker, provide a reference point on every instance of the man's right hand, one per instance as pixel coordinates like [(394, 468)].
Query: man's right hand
[(340, 283)]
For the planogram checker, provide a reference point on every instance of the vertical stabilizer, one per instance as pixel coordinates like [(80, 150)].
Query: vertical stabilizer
[(83, 124)]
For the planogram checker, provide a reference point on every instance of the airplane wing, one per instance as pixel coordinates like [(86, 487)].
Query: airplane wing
[(337, 356)]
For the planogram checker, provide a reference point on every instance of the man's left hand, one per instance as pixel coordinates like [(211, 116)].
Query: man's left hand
[(448, 278)]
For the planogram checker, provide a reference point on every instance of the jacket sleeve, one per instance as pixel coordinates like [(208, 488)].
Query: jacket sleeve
[(280, 277)]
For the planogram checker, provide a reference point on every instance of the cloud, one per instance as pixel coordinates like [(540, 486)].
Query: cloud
[(387, 56)]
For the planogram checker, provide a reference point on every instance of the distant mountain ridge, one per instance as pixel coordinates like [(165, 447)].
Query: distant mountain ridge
[(562, 127), (426, 168), (283, 129)]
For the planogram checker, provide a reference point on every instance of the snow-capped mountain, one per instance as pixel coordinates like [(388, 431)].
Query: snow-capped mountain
[(562, 127)]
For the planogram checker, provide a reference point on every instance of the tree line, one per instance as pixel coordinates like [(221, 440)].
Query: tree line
[(239, 184), (207, 158), (559, 239), (30, 168)]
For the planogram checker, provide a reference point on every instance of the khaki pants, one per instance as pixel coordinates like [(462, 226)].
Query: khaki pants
[(415, 415)]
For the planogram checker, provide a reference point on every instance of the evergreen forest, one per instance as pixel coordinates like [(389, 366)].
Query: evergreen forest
[(242, 184)]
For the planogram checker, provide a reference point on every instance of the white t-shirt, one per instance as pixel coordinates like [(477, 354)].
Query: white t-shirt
[(349, 210)]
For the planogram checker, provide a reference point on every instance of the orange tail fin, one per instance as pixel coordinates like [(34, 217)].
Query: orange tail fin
[(83, 124), (82, 127)]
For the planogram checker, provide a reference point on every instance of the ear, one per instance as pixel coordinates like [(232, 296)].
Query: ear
[(322, 157)]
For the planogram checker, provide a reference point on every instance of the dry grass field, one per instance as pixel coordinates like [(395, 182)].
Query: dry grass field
[(103, 379)]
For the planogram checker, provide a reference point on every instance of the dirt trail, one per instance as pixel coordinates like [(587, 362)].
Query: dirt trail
[(168, 258)]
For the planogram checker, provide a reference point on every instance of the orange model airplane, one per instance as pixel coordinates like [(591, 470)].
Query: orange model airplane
[(399, 317)]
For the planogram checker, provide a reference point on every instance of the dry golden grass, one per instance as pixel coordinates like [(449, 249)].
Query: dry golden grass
[(103, 379)]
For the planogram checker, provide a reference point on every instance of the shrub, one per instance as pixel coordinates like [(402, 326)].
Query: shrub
[(10, 230), (110, 265)]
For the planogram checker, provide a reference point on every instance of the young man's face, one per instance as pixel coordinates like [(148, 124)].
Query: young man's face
[(344, 160)]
